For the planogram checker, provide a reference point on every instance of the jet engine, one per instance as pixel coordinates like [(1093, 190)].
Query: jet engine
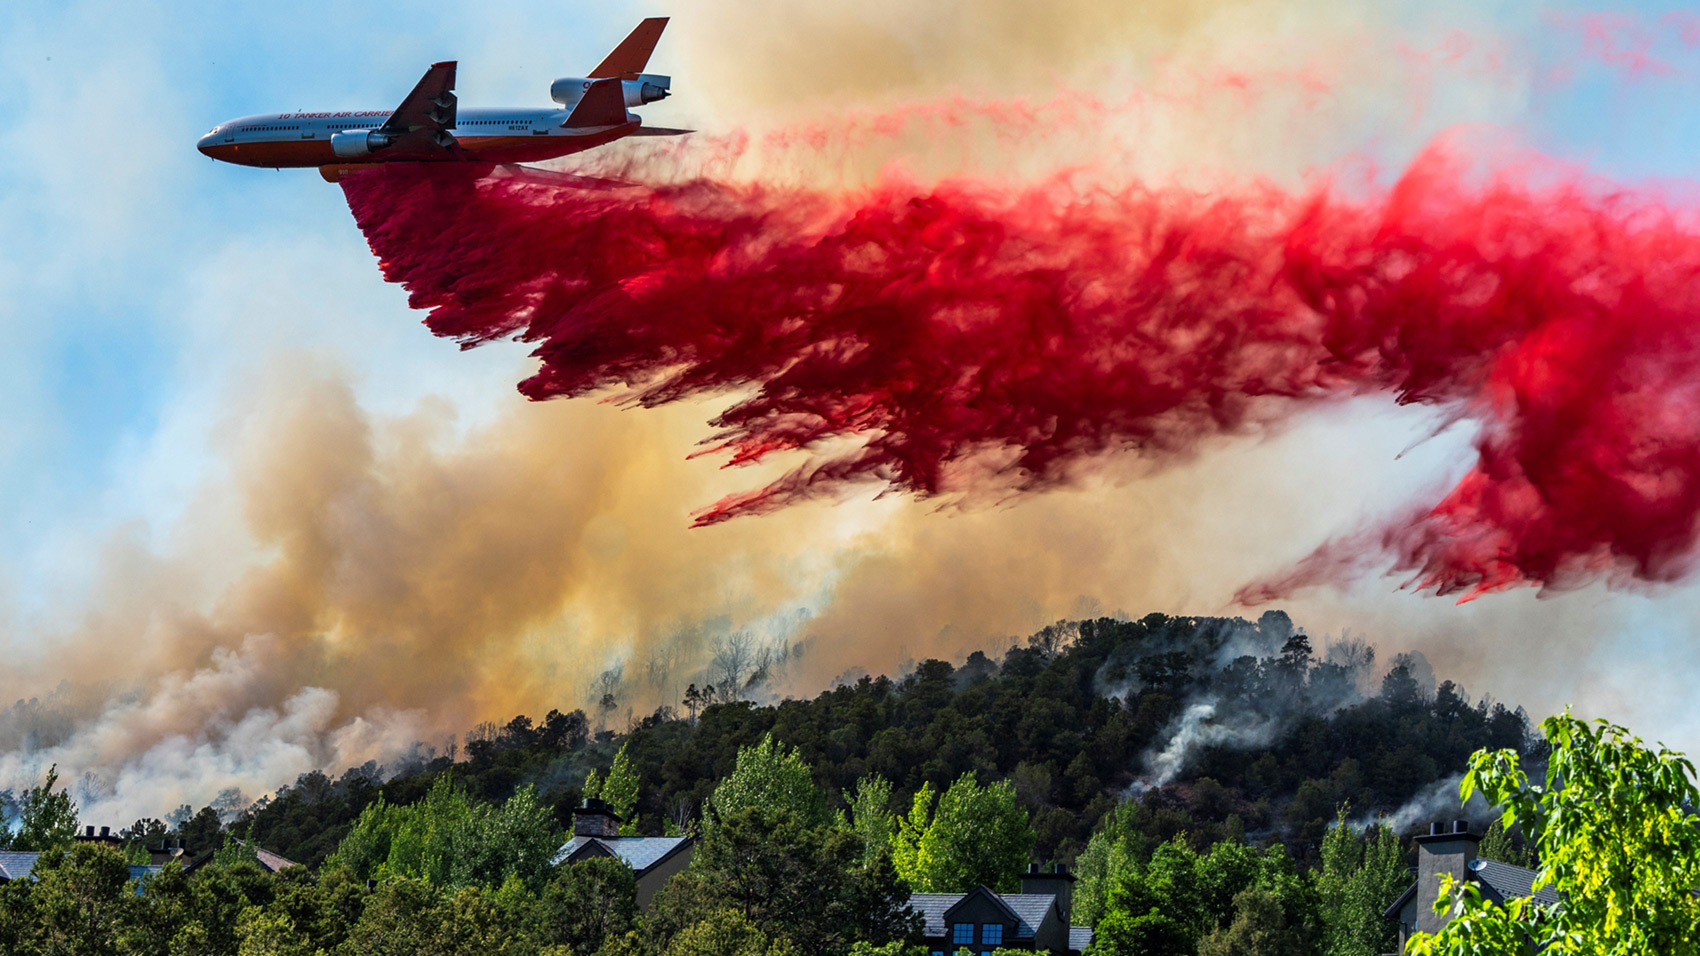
[(354, 143), (639, 89)]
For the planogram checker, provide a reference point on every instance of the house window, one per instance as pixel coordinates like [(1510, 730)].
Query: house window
[(991, 934), (962, 934)]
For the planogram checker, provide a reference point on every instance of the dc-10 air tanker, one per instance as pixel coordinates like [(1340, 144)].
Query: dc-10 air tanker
[(428, 126)]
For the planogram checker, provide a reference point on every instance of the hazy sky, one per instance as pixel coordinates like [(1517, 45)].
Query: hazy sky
[(153, 303)]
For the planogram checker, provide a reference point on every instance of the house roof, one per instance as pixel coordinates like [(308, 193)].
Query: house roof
[(639, 853), (1510, 882), (1079, 937), (1028, 908), (272, 861), (990, 895), (16, 865), (269, 861)]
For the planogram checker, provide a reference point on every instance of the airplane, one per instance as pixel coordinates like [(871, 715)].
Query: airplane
[(429, 126)]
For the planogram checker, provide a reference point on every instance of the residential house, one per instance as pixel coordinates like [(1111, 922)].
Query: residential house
[(268, 861), (1452, 851), (654, 860), (19, 865), (15, 865), (982, 920)]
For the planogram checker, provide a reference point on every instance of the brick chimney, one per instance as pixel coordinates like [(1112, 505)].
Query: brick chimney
[(595, 819), (1446, 849), (1059, 884)]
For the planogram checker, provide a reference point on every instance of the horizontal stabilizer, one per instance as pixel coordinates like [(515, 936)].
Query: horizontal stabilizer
[(603, 104), (660, 131), (632, 55)]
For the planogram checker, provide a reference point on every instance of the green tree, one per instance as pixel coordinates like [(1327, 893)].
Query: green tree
[(17, 916), (80, 902), (727, 932), (47, 819), (1361, 874), (768, 775), (1612, 825), (1148, 933), (402, 918), (978, 836), (449, 839), (805, 884), (1260, 928), (1498, 844), (871, 816), (620, 791), (893, 948), (586, 904), (1116, 849), (268, 932), (1179, 897)]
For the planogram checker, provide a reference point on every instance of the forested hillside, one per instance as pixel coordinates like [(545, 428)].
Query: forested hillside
[(1218, 727), (1202, 776)]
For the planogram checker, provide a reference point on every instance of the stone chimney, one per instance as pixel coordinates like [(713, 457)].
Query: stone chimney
[(1446, 849), (1059, 884), (595, 819)]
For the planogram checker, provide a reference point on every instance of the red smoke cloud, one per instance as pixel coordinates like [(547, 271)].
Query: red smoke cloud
[(968, 337)]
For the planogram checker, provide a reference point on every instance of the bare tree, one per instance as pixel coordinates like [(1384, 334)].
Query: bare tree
[(608, 687), (659, 666), (733, 657), (680, 814)]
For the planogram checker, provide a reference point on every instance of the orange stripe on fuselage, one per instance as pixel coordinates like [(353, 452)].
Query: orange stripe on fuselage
[(299, 153)]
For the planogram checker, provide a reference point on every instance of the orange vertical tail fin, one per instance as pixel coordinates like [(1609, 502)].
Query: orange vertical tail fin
[(632, 55)]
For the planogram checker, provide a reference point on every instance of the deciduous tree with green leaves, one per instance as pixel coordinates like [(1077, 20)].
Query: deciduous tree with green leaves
[(81, 901), (449, 839), (977, 836), (768, 775), (1362, 872), (1612, 823), (871, 815), (47, 818)]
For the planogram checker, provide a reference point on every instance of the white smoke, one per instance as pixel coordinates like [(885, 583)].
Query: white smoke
[(1198, 726), (1439, 801), (134, 758)]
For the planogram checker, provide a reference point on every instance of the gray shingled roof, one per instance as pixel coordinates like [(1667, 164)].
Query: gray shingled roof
[(1512, 882), (1079, 937), (639, 853), (16, 866), (1029, 908)]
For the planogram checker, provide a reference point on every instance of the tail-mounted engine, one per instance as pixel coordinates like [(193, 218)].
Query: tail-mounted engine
[(354, 143), (640, 88)]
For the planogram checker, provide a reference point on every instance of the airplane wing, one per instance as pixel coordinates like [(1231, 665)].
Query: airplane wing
[(424, 119)]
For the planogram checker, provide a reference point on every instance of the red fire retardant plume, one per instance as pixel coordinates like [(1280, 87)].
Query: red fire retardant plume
[(967, 337)]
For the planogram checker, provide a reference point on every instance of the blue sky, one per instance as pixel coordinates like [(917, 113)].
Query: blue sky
[(142, 286), (111, 220)]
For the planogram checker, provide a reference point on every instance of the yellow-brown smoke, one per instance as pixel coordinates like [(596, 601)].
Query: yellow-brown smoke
[(355, 582)]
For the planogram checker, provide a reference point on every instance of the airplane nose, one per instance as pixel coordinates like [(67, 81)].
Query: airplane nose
[(205, 144)]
